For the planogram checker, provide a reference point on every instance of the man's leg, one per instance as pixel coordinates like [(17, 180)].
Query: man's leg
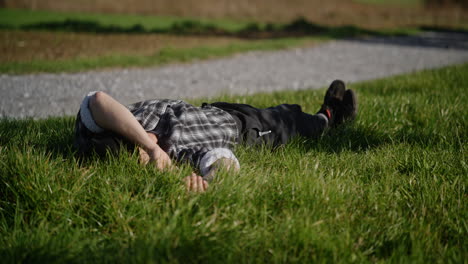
[(348, 109), (274, 125), (340, 105), (277, 125)]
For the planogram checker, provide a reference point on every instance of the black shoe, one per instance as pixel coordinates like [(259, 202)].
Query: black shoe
[(349, 107), (332, 103)]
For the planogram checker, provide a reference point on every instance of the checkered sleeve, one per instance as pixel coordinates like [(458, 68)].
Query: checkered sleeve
[(148, 113), (213, 155), (187, 132)]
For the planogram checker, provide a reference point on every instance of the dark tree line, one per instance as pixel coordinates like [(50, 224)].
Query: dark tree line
[(463, 3)]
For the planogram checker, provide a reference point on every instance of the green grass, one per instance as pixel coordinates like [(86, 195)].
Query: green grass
[(389, 188), (258, 36), (21, 17), (113, 23), (166, 55)]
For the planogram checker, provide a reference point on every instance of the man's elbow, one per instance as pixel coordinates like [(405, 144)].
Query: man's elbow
[(98, 100)]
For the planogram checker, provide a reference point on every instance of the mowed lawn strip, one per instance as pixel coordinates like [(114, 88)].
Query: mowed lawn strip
[(375, 14), (166, 49), (42, 51), (17, 18), (129, 40), (24, 46), (390, 187)]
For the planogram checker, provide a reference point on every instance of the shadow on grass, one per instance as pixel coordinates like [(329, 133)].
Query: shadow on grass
[(297, 28), (356, 138), (432, 37), (53, 136), (347, 138)]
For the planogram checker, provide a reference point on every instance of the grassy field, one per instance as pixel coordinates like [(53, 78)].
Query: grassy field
[(363, 13), (194, 48), (20, 17), (75, 37), (46, 41), (391, 187)]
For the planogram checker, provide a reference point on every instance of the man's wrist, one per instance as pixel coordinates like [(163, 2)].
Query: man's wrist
[(153, 137), (152, 145), (156, 149)]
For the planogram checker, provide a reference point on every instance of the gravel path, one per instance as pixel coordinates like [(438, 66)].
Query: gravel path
[(45, 95)]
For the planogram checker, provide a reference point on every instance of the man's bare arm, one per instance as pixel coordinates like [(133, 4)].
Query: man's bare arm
[(112, 115)]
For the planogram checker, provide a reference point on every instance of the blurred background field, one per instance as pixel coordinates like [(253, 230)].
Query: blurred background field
[(51, 36), (365, 13)]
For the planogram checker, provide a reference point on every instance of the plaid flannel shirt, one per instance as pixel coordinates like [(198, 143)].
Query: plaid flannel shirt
[(184, 131)]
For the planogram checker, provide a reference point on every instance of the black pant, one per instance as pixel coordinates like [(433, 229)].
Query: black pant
[(274, 125)]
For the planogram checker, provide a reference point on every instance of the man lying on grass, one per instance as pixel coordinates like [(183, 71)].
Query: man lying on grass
[(203, 136)]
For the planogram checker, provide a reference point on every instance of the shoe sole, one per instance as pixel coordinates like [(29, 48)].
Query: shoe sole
[(335, 92), (350, 105)]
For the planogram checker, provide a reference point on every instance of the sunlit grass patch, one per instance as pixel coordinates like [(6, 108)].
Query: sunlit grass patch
[(46, 41), (164, 56), (21, 17), (391, 187)]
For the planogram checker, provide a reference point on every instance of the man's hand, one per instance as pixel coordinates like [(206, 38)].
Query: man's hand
[(156, 155), (195, 183), (160, 158)]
